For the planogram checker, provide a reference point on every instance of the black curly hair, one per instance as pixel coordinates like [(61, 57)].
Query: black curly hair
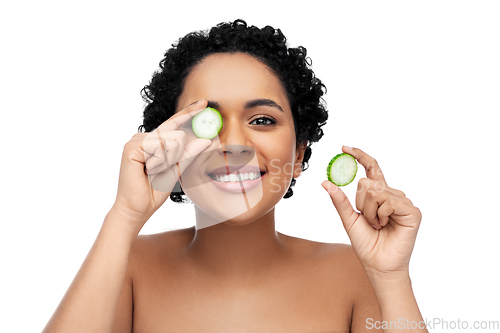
[(291, 65)]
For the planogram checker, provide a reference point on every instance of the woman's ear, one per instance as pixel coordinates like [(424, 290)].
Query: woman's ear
[(299, 157)]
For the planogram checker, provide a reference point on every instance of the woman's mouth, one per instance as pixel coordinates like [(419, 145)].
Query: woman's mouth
[(237, 182), (235, 177)]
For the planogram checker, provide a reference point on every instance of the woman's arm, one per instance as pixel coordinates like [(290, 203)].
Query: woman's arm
[(382, 235), (151, 165), (397, 303), (90, 303)]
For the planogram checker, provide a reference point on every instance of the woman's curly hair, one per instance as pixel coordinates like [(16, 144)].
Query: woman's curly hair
[(290, 65)]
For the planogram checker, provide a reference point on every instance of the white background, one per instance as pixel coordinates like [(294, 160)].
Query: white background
[(414, 84)]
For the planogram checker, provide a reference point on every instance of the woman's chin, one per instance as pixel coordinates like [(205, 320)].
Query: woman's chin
[(236, 213), (215, 206)]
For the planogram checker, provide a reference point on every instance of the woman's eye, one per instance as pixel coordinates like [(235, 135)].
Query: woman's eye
[(263, 121)]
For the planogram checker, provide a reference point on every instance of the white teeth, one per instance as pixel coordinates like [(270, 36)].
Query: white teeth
[(237, 177)]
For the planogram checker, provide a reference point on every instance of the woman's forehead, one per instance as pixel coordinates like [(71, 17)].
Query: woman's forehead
[(232, 77)]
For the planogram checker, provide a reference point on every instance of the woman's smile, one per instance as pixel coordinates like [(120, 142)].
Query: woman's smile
[(236, 178), (237, 183)]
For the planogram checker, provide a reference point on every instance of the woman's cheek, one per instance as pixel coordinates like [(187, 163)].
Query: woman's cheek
[(274, 173)]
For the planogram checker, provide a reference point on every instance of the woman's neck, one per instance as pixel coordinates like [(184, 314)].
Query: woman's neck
[(237, 251)]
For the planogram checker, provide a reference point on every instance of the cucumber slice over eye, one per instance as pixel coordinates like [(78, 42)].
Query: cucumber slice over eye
[(342, 169), (207, 123)]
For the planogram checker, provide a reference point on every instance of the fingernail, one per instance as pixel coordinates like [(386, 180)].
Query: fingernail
[(347, 148)]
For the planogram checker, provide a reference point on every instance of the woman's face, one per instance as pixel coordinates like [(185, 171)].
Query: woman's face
[(257, 138)]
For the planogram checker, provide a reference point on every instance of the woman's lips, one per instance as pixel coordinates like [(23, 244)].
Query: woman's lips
[(235, 168), (237, 186)]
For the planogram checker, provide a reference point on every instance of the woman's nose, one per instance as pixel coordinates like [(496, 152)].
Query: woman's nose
[(236, 150), (233, 140)]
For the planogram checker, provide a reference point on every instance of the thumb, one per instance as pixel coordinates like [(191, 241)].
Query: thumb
[(347, 214)]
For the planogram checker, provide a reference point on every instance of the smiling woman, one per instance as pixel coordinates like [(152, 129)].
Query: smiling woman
[(233, 271)]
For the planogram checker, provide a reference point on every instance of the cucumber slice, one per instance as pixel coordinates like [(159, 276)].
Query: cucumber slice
[(342, 169), (207, 123)]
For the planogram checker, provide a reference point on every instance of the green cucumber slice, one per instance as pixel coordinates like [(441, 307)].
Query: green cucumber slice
[(342, 169), (207, 123)]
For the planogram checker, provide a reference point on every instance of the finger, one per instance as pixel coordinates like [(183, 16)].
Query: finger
[(151, 146), (154, 160), (174, 142), (180, 118), (372, 203), (172, 151), (375, 200), (366, 184), (181, 142), (342, 204), (371, 194), (166, 148), (363, 186), (166, 159), (165, 181), (191, 151), (398, 192), (396, 209), (371, 166)]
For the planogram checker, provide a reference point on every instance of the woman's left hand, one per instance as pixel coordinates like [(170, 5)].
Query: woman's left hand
[(383, 233)]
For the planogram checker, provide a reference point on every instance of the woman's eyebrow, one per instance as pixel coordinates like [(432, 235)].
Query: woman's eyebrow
[(250, 104), (262, 102), (213, 104)]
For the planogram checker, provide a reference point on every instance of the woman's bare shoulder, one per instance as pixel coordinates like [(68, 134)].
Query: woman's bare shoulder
[(334, 270), (163, 244), (172, 236), (341, 275), (334, 258), (315, 248)]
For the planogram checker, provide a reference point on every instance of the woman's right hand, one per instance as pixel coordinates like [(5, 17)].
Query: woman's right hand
[(152, 164), (150, 167)]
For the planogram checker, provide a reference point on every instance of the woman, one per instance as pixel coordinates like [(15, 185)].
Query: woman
[(233, 272)]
